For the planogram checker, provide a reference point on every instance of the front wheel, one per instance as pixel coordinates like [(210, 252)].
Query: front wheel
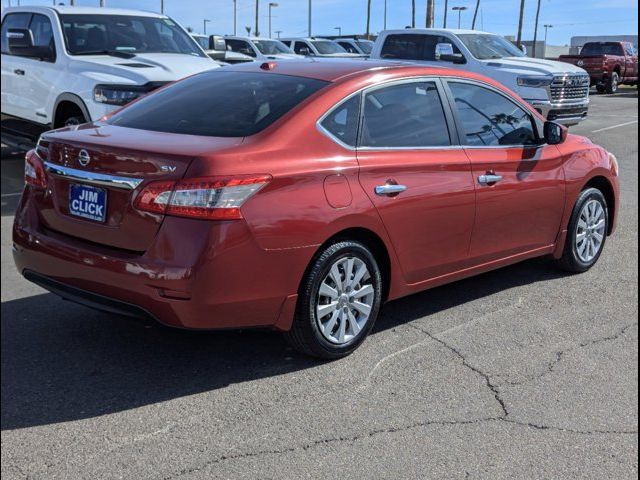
[(587, 232), (339, 301)]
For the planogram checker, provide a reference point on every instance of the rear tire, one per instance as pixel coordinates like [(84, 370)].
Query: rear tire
[(613, 83), (587, 233), (339, 302)]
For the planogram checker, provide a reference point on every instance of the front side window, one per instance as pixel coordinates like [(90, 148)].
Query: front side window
[(327, 47), (219, 104), (489, 47), (342, 122), (13, 20), (271, 47), (405, 116), (301, 48), (348, 47), (42, 31), (490, 119), (414, 46), (124, 34), (240, 46)]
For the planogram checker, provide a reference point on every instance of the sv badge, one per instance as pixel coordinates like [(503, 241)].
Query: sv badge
[(168, 168)]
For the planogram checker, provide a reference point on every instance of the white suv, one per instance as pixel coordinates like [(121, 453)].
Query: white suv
[(70, 65), (317, 47), (260, 49)]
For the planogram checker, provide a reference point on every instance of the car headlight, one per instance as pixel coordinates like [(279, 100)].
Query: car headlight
[(535, 81), (117, 94)]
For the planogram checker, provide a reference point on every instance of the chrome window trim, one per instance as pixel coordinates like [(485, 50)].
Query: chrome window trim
[(126, 183)]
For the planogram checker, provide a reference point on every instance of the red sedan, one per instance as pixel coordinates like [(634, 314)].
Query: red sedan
[(302, 195)]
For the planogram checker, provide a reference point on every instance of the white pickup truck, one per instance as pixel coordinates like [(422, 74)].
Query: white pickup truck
[(70, 65), (560, 91)]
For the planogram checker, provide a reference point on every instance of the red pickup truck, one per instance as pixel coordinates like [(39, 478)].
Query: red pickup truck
[(609, 64)]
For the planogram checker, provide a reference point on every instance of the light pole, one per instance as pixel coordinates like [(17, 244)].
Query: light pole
[(385, 14), (161, 6), (310, 16), (235, 17), (204, 22), (279, 32), (546, 34), (459, 10), (256, 32), (339, 31), (446, 13), (271, 6)]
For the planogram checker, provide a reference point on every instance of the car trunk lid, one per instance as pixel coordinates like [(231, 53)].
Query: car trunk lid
[(94, 173)]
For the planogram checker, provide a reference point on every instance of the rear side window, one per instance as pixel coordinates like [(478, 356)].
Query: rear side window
[(13, 20), (342, 122), (414, 47), (348, 47), (490, 119), (405, 116), (219, 104)]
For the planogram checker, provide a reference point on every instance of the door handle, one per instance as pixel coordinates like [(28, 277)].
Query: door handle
[(489, 179), (390, 189), (18, 71)]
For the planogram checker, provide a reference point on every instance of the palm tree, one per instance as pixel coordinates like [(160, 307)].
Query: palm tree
[(430, 12), (368, 18), (520, 23), (535, 32), (475, 15)]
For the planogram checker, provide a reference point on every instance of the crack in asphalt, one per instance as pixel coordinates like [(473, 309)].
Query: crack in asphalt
[(559, 356)]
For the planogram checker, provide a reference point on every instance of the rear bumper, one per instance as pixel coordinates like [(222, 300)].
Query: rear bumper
[(196, 275)]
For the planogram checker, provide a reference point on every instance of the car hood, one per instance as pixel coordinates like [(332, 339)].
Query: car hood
[(143, 68), (533, 66)]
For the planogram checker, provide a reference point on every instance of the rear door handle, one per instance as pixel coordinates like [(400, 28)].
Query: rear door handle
[(390, 189), (489, 179), (17, 71)]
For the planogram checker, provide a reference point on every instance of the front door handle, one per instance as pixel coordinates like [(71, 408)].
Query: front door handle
[(18, 71), (390, 189), (489, 179)]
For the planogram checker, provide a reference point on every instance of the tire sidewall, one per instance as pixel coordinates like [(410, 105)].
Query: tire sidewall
[(586, 196), (321, 268)]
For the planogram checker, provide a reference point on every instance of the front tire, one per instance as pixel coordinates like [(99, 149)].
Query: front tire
[(339, 301), (587, 232)]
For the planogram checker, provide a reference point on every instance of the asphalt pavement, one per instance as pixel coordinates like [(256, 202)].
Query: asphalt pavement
[(522, 373)]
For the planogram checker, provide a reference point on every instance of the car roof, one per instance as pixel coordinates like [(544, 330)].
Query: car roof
[(431, 31), (68, 10), (335, 69)]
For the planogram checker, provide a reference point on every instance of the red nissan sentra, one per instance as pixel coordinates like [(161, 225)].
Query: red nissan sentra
[(302, 195)]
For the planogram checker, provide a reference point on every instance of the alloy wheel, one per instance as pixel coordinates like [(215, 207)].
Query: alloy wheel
[(591, 231), (345, 300)]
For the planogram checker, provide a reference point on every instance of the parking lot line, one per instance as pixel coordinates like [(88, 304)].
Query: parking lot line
[(615, 126)]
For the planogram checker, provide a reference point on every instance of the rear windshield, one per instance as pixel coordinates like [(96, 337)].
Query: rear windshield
[(219, 104), (413, 46), (602, 49)]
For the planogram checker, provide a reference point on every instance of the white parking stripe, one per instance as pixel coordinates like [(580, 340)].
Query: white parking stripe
[(11, 194), (615, 126)]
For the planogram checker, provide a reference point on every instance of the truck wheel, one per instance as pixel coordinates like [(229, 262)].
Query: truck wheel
[(613, 83)]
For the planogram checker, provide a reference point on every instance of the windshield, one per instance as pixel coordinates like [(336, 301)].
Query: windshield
[(218, 104), (489, 47), (271, 47), (366, 46), (103, 34), (602, 49), (202, 41), (327, 47)]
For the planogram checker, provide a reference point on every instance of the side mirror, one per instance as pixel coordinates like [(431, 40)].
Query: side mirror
[(20, 42), (217, 47), (554, 133), (444, 52), (524, 49)]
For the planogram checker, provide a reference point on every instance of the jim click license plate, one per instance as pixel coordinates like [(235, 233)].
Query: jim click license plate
[(88, 202)]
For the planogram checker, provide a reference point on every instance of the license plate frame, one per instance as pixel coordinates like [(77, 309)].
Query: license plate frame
[(88, 202)]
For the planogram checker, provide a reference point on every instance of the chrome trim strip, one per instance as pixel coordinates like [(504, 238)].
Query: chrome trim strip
[(126, 183)]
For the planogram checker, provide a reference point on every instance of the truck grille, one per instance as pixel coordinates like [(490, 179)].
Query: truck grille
[(570, 88)]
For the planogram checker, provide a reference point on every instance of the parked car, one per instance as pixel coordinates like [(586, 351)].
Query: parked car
[(356, 45), (260, 49), (317, 47), (70, 65), (558, 91), (302, 195), (609, 64), (216, 47)]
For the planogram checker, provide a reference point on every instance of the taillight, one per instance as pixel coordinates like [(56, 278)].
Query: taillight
[(34, 170), (207, 198)]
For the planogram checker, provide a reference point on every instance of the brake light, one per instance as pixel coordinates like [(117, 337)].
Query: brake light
[(206, 198), (34, 170)]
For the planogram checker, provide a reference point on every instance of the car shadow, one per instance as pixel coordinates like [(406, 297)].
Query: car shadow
[(63, 362)]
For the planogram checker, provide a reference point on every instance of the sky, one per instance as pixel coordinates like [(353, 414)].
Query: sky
[(569, 17)]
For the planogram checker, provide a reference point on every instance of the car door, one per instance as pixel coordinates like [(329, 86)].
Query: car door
[(417, 176), (14, 87), (519, 179)]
